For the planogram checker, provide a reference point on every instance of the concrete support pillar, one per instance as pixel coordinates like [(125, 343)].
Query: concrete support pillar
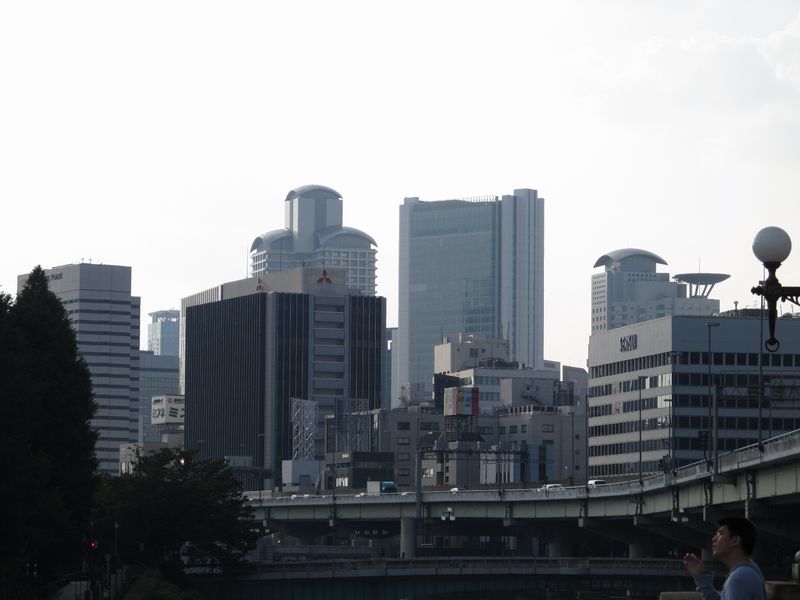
[(558, 547), (525, 545), (408, 537), (303, 539), (640, 550)]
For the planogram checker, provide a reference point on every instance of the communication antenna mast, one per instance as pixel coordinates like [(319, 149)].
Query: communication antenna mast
[(304, 428)]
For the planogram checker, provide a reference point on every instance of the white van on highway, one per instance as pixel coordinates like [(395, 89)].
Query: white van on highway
[(594, 482)]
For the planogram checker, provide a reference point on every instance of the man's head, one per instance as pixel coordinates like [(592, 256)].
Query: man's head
[(735, 535)]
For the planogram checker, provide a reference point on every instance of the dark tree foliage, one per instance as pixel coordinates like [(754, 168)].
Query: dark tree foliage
[(46, 444), (174, 507)]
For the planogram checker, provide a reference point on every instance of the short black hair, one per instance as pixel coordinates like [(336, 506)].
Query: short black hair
[(742, 527)]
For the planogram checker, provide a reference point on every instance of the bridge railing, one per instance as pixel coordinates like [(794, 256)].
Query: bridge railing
[(484, 564), (771, 449)]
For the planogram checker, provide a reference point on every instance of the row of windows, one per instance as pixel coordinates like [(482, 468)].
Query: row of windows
[(629, 447), (348, 253), (749, 400), (84, 300), (699, 379), (646, 404), (661, 422), (632, 364), (486, 380), (698, 423), (781, 394), (631, 385), (739, 359), (513, 429)]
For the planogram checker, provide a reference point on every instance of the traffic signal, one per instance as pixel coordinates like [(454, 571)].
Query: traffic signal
[(93, 545)]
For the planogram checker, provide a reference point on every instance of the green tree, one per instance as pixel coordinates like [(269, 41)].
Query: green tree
[(46, 443), (173, 507)]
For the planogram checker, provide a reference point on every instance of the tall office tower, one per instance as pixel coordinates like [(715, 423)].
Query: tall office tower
[(105, 317), (158, 376), (263, 353), (472, 266), (162, 332), (313, 236), (630, 291)]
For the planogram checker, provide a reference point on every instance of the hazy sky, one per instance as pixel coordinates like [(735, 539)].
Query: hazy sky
[(166, 135)]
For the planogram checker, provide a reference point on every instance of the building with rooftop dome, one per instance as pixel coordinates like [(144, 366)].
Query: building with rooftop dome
[(313, 236), (629, 290)]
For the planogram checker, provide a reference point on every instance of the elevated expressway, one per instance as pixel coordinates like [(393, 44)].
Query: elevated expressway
[(677, 509)]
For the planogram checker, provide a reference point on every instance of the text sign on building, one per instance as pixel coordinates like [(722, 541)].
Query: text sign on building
[(627, 343), (167, 409)]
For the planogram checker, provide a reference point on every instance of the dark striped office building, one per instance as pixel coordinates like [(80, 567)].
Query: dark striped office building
[(251, 346)]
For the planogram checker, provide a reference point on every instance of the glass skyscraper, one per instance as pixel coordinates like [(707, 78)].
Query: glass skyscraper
[(471, 266)]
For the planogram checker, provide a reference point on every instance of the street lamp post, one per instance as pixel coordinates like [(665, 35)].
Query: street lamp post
[(641, 380), (772, 246), (712, 399), (572, 447), (673, 441)]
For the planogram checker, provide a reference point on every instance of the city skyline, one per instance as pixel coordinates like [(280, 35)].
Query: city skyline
[(167, 144)]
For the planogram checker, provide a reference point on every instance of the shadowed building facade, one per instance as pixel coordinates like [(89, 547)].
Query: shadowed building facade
[(254, 345)]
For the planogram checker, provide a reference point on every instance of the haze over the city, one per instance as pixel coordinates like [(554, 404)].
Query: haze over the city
[(165, 136)]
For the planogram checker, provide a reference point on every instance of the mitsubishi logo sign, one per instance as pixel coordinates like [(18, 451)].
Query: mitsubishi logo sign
[(324, 278)]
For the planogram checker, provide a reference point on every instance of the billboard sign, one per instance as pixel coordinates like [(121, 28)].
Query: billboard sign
[(167, 410), (461, 401)]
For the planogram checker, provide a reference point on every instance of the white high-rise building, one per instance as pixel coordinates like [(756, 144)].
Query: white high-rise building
[(163, 332), (105, 318), (629, 290), (472, 266), (313, 236)]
